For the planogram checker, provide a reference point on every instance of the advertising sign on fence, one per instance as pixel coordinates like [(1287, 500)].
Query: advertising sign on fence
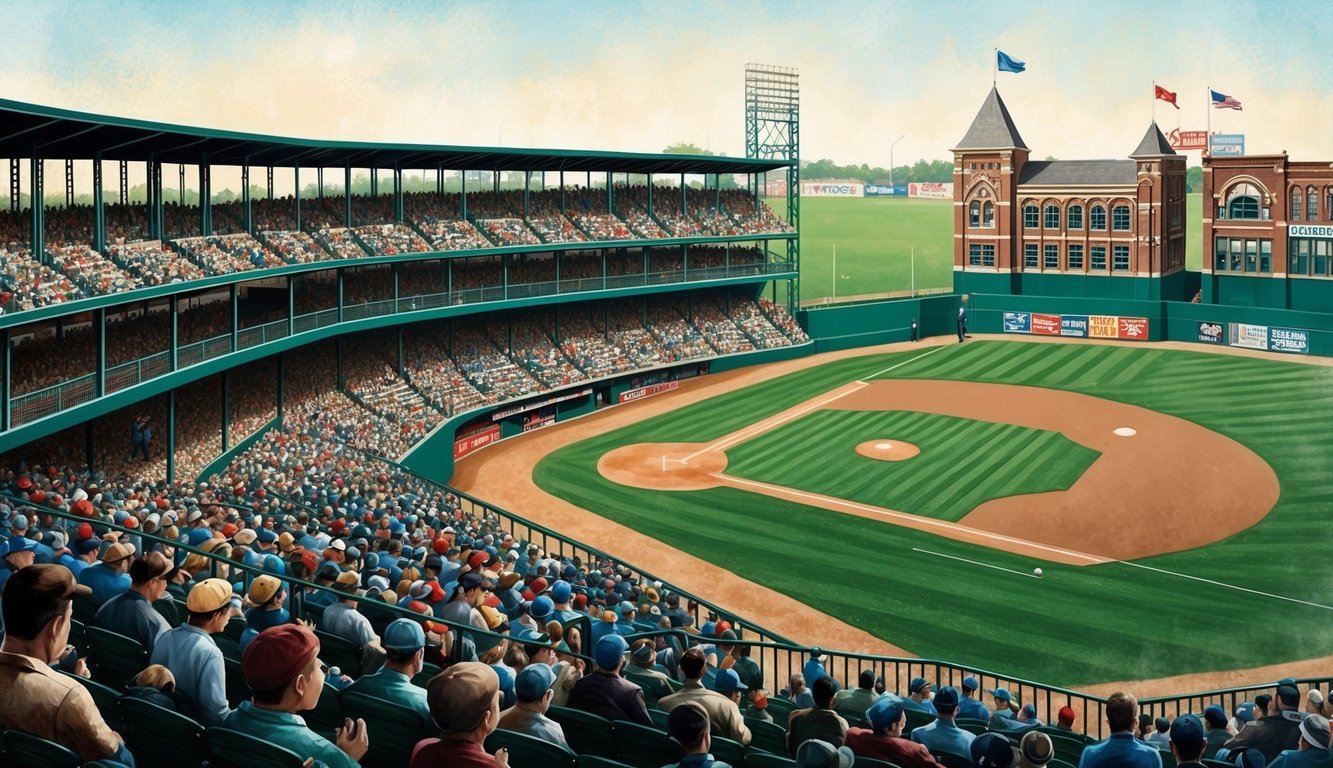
[(1248, 336), (1133, 328), (538, 419), (1074, 325), (1103, 327), (1045, 325), (1289, 340), (500, 415), (833, 189), (652, 389), (882, 190), (934, 190), (1210, 333), (475, 438), (1017, 322)]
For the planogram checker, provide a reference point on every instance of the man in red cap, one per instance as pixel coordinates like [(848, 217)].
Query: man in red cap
[(281, 666)]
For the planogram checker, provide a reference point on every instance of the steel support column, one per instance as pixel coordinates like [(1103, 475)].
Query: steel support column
[(398, 195), (15, 186), (296, 172), (124, 182), (171, 437), (99, 206), (99, 331), (245, 196), (175, 331), (235, 316), (6, 380), (69, 183), (347, 195), (226, 415), (37, 203)]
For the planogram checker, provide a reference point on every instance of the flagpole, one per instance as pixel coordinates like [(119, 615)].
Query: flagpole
[(1154, 101), (1208, 130), (995, 67)]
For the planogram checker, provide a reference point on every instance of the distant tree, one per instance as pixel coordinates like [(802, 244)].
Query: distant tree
[(1194, 179), (1051, 157), (685, 149)]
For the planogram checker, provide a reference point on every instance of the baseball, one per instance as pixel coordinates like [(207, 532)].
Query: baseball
[(1036, 572)]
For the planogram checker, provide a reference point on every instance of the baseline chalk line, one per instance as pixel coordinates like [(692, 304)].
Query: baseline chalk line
[(976, 562)]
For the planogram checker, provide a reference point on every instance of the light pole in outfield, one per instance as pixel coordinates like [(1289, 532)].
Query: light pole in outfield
[(891, 145)]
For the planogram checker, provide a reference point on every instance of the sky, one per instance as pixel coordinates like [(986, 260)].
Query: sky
[(639, 76)]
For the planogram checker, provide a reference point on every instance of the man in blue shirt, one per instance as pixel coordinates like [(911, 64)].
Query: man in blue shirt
[(532, 689), (82, 553), (109, 577), (192, 656), (1002, 719), (1312, 750), (1121, 749), (266, 593), (404, 648), (942, 735), (970, 707), (131, 612), (918, 695)]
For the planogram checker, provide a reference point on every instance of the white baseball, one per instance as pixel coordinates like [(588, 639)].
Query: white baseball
[(1036, 572)]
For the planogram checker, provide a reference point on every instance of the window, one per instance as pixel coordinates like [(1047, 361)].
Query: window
[(1030, 256), (1237, 246), (1030, 216), (1099, 257), (1300, 257), (1075, 256), (988, 214), (1242, 202), (1076, 217), (1328, 203), (1052, 217), (1220, 254), (1120, 218), (1266, 255), (1251, 255), (1311, 204), (974, 255), (1321, 261), (1297, 209), (974, 214), (981, 255), (1098, 217), (1051, 257), (988, 255), (1120, 254)]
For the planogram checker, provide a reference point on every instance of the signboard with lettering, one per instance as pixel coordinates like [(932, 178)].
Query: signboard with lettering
[(1317, 231), (1103, 327), (1132, 328), (1017, 322), (1210, 333), (934, 190), (1187, 140), (1045, 325), (1074, 325), (833, 189), (1291, 340), (1226, 144), (1248, 336)]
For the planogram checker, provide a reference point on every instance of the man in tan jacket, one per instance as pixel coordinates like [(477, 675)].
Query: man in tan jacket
[(724, 714)]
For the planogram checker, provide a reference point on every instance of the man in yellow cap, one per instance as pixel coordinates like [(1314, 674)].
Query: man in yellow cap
[(192, 656), (110, 576)]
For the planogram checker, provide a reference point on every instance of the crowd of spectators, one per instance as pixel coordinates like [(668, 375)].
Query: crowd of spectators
[(391, 239)]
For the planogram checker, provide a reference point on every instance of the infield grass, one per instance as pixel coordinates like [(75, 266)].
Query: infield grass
[(963, 462), (1077, 625)]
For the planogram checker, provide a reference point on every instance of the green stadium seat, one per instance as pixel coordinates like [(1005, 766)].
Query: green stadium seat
[(971, 725), (77, 638), (1211, 763), (25, 749), (951, 761), (170, 610), (337, 652), (327, 716), (1066, 747), (766, 736), (1168, 759), (1058, 763), (105, 697), (85, 609), (530, 752), (587, 734), (114, 658), (644, 747), (765, 760), (423, 677), (231, 649), (234, 629), (394, 729), (779, 708), (158, 736), (597, 761), (659, 718), (915, 719), (233, 749), (727, 750), (237, 690)]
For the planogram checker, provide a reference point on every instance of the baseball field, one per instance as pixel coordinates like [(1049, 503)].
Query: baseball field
[(1176, 501)]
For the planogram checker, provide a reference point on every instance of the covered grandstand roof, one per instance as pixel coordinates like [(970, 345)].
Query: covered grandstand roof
[(1079, 172), (59, 134)]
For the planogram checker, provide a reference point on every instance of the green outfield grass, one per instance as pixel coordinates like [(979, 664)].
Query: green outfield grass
[(962, 463), (1077, 625), (876, 236)]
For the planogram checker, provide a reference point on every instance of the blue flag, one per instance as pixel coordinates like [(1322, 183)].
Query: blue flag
[(1007, 64)]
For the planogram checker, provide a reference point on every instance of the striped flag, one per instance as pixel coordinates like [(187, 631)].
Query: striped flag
[(1223, 101)]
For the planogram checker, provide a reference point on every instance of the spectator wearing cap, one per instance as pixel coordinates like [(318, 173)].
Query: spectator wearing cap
[(853, 702), (16, 553), (821, 754), (464, 704), (342, 619), (817, 722), (532, 690), (605, 692), (266, 598), (82, 553), (468, 596), (1160, 736), (1187, 741), (688, 725), (969, 707), (884, 739), (944, 735), (813, 669), (192, 656), (1243, 716), (131, 612), (919, 693), (325, 574), (1216, 733), (991, 750), (1121, 750), (37, 606), (640, 671), (1313, 748), (1035, 750), (1277, 731), (109, 577), (1002, 719), (1064, 719), (1314, 702), (405, 655), (282, 669), (721, 704)]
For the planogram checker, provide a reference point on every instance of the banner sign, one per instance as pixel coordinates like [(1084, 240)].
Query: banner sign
[(884, 190), (538, 419), (1289, 340), (1310, 230), (1187, 140), (1210, 333), (1017, 322), (1045, 325), (1226, 144), (648, 391), (934, 190), (514, 411), (1248, 336), (1132, 328), (1074, 325), (474, 439), (1103, 327), (834, 189)]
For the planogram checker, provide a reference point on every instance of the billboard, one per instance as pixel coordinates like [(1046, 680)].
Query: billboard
[(1045, 325), (1077, 326), (1132, 328), (933, 190), (1074, 325), (1226, 144), (473, 439), (639, 393), (1291, 340), (1317, 231), (884, 190), (1187, 140), (833, 189), (1248, 336), (1103, 327), (1210, 333), (1017, 322)]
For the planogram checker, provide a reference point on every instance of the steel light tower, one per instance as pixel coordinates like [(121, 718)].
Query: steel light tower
[(773, 131)]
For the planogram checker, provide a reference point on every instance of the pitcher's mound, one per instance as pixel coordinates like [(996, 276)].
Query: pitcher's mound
[(663, 466), (887, 450)]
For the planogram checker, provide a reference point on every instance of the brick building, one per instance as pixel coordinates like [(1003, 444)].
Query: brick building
[(1096, 228), (1268, 232)]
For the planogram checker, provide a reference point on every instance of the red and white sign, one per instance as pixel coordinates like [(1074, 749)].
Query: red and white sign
[(1133, 328), (474, 439), (1188, 140), (931, 189), (648, 391), (1045, 325), (498, 415), (537, 421), (1103, 327)]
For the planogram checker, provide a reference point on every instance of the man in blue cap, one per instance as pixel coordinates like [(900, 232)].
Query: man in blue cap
[(943, 735), (884, 739), (533, 694), (605, 692), (689, 725), (1187, 741), (16, 553), (918, 695), (1121, 750), (1216, 734), (1005, 709), (969, 707), (722, 703), (404, 645)]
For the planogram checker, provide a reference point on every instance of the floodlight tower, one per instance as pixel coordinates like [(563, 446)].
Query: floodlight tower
[(773, 131)]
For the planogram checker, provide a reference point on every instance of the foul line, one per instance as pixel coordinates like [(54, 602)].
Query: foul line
[(1228, 586), (905, 362), (976, 562), (768, 424)]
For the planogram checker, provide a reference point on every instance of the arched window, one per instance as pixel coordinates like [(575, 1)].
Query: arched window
[(1328, 203), (1052, 215), (988, 214), (1120, 218), (1311, 204), (1098, 217), (974, 214), (1242, 202), (1297, 209), (1075, 217), (1030, 218)]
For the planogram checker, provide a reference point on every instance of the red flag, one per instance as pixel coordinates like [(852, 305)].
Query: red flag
[(1161, 93)]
